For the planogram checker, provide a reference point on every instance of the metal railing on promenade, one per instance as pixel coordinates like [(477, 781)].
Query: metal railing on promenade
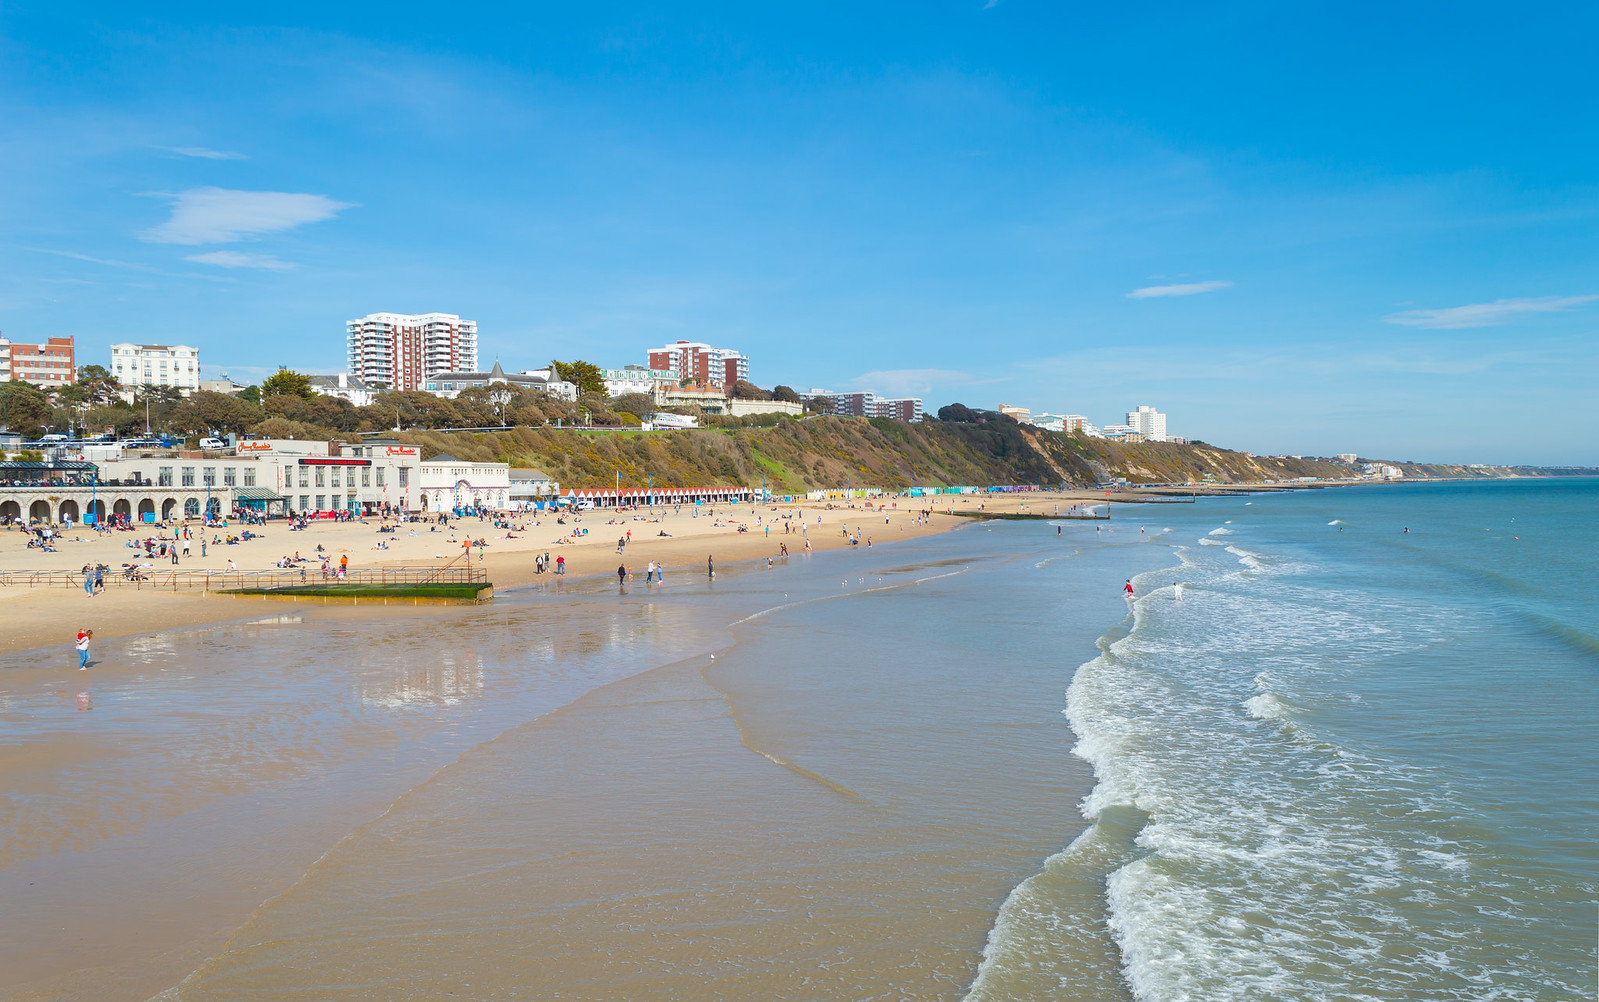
[(222, 580)]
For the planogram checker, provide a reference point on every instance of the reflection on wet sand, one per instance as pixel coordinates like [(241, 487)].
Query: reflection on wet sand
[(219, 763)]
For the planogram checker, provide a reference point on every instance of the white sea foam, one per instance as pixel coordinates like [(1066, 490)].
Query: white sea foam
[(1247, 558), (1267, 706), (1220, 530), (1279, 862)]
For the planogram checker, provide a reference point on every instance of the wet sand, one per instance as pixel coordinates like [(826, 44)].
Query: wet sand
[(496, 802)]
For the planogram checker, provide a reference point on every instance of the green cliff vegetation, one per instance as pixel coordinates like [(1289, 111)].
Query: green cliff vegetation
[(819, 452)]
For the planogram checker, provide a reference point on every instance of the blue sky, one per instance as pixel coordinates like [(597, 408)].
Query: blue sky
[(1307, 228)]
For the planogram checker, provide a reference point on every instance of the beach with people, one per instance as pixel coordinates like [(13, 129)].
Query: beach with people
[(522, 550)]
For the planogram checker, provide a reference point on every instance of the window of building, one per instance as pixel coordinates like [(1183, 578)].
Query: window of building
[(163, 476), (305, 502), (405, 476), (249, 476), (305, 476), (188, 476), (321, 500), (380, 476), (208, 475), (228, 479), (321, 481), (366, 476)]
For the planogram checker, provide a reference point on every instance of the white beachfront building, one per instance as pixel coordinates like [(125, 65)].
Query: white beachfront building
[(449, 483)]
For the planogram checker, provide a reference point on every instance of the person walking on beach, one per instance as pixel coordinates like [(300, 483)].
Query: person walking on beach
[(88, 580), (710, 568), (560, 565), (84, 636), (621, 575), (1177, 591), (1128, 589)]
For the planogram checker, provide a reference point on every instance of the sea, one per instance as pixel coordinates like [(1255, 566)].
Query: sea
[(1353, 761)]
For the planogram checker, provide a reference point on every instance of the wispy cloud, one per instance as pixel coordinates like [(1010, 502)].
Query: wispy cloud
[(1192, 289), (203, 153), (233, 259), (1500, 311), (108, 262), (219, 216)]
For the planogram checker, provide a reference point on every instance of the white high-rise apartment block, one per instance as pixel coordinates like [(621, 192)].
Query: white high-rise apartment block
[(174, 365), (1148, 422), (399, 351)]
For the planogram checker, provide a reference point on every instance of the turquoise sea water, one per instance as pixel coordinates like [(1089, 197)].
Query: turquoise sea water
[(1352, 763)]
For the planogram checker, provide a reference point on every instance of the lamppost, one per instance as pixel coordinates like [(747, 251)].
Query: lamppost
[(650, 478)]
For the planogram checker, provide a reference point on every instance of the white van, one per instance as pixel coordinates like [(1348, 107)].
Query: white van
[(212, 443), (53, 439)]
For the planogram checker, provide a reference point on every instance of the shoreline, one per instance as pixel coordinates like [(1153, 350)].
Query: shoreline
[(48, 617)]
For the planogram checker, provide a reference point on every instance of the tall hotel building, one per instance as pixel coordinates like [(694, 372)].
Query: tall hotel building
[(1148, 422), (701, 362), (399, 351)]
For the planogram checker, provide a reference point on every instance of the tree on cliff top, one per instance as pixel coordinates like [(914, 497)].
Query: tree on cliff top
[(584, 375), (287, 383)]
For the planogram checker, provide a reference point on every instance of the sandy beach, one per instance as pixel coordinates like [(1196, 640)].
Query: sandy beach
[(39, 616)]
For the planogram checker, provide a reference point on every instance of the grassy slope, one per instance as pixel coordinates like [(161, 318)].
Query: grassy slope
[(829, 452)]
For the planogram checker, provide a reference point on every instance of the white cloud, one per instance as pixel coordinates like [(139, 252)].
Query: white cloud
[(219, 216), (233, 259), (203, 153), (1192, 289), (1499, 311)]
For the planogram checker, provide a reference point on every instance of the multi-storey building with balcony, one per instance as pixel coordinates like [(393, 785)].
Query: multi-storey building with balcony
[(1148, 422), (702, 363), (44, 365), (399, 351), (867, 404), (169, 365)]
